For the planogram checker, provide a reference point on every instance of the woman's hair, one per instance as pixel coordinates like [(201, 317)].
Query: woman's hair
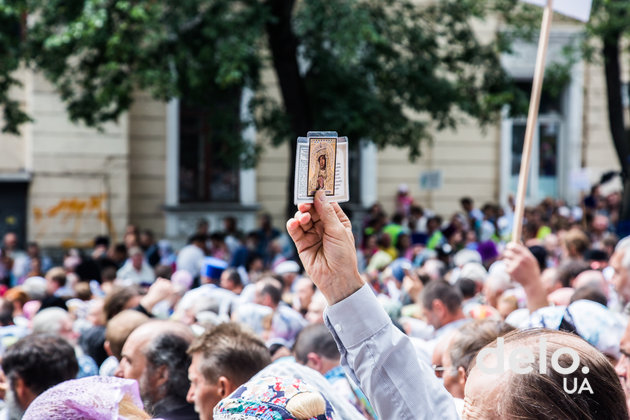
[(537, 395), (306, 405), (130, 411), (472, 337)]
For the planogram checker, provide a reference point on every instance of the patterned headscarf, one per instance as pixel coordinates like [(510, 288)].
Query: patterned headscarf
[(93, 398), (265, 398)]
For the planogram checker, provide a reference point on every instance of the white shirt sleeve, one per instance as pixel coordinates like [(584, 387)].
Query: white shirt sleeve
[(382, 360)]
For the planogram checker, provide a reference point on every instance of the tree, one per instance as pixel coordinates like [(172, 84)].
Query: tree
[(602, 42), (610, 24), (391, 71)]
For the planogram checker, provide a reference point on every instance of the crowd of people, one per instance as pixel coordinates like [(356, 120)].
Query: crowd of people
[(322, 323)]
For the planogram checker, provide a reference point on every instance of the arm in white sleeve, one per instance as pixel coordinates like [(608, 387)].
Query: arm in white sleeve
[(382, 360)]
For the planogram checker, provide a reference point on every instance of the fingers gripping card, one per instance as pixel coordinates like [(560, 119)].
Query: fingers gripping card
[(321, 164)]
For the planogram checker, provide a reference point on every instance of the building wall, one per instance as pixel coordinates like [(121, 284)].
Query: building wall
[(467, 157), (272, 175), (79, 185), (147, 163)]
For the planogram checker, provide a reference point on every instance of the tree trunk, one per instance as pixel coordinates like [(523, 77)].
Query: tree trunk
[(612, 69), (283, 45)]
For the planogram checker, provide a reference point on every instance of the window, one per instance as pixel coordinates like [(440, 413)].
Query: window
[(354, 174), (548, 150), (205, 174)]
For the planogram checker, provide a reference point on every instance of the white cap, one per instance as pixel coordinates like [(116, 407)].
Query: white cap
[(286, 267)]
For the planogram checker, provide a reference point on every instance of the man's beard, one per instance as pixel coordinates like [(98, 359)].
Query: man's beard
[(14, 411), (145, 395)]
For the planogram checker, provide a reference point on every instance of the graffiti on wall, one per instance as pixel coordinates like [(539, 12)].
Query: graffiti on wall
[(73, 214)]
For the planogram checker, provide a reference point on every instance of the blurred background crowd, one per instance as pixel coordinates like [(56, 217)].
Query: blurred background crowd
[(441, 279)]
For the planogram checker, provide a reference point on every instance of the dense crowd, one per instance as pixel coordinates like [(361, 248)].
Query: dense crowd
[(236, 326)]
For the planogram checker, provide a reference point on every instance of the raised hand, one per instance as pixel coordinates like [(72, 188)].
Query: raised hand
[(522, 266), (323, 236)]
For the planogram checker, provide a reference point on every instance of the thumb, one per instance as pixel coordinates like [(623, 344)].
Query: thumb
[(326, 212)]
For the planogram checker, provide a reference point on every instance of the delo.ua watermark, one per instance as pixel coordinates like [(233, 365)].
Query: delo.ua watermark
[(521, 360)]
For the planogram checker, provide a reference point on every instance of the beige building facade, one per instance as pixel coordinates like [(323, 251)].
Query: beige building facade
[(62, 183)]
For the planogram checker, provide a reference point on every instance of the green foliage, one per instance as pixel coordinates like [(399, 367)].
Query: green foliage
[(11, 55), (388, 70)]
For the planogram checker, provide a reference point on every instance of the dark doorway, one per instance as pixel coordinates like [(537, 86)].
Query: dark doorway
[(13, 210)]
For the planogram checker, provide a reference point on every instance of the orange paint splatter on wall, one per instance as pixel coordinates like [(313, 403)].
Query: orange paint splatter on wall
[(74, 210)]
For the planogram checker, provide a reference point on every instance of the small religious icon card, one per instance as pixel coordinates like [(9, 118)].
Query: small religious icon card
[(321, 164), (322, 153)]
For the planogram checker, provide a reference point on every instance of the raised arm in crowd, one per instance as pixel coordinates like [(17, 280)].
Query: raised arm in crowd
[(399, 385)]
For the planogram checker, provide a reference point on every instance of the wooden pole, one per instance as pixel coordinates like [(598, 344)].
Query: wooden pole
[(532, 117)]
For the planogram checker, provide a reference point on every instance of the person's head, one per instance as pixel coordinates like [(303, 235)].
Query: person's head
[(34, 364), (198, 240), (268, 292), (594, 279), (223, 358), (304, 291), (92, 397), (441, 303), (550, 278), (120, 299), (265, 221), (18, 297), (507, 304), (231, 280), (495, 285), (315, 312), (119, 253), (620, 262), (467, 287), (315, 347), (203, 226), (229, 224), (55, 279), (322, 161), (268, 397), (466, 203), (32, 249), (118, 329), (146, 238), (464, 346), (287, 270), (155, 355), (55, 321), (10, 241), (439, 351), (623, 364), (543, 388), (569, 270), (434, 268), (101, 241), (589, 293), (576, 243), (136, 256)]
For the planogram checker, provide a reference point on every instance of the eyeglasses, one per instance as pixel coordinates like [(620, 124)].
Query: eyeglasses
[(438, 370)]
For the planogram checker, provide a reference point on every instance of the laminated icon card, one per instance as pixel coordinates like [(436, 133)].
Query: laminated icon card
[(321, 163)]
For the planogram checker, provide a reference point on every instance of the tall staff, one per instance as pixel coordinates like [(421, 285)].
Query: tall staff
[(578, 9)]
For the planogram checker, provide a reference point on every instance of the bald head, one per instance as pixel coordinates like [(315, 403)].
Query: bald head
[(155, 355), (594, 279), (120, 327)]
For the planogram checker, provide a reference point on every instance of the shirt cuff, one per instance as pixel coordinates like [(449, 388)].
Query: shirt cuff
[(357, 317)]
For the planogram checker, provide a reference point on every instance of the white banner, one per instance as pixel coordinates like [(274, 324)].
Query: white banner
[(576, 9)]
